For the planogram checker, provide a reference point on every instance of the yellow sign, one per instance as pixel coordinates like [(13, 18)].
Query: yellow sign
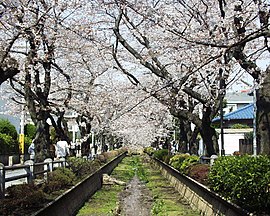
[(21, 141)]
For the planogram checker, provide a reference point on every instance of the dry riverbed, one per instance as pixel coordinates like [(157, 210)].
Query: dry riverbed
[(145, 193)]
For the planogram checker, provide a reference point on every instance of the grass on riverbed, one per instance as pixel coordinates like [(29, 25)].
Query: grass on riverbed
[(105, 201), (166, 199)]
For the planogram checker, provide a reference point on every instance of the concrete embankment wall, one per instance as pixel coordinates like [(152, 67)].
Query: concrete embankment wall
[(199, 196), (72, 200)]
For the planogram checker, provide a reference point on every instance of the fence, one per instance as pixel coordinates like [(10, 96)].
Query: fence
[(72, 200), (29, 171), (246, 146)]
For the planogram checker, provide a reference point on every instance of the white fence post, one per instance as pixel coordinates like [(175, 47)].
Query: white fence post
[(47, 167), (63, 162), (212, 159), (10, 160), (2, 180)]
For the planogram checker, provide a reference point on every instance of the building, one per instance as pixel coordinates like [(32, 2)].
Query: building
[(237, 100), (237, 124), (243, 116)]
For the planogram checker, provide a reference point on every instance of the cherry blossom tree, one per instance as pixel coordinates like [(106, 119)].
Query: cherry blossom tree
[(188, 45), (42, 26), (132, 114), (174, 53), (239, 30), (9, 66), (140, 33)]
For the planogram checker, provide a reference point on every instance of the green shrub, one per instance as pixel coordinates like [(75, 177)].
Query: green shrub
[(8, 138), (243, 180), (167, 158), (27, 142), (59, 179), (177, 160), (81, 167), (199, 172), (149, 150), (160, 154), (248, 135), (191, 160), (8, 145), (239, 126)]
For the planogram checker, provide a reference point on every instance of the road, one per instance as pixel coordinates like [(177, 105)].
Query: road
[(11, 173)]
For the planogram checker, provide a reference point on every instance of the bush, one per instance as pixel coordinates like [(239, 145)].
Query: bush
[(161, 154), (177, 160), (149, 150), (243, 180), (8, 145), (27, 142), (8, 138), (22, 199), (167, 158), (101, 158), (239, 126), (59, 179), (81, 167), (248, 135), (191, 160), (199, 172)]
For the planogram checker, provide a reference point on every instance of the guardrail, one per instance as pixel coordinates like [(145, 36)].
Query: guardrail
[(199, 196), (31, 171)]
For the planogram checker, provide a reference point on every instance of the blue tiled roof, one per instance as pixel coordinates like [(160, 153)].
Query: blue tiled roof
[(245, 112)]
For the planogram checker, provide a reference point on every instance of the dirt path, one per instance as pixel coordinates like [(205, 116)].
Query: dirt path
[(135, 199)]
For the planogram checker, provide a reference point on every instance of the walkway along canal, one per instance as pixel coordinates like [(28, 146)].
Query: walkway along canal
[(145, 192)]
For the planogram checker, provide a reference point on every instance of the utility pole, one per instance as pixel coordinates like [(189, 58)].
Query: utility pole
[(254, 118), (221, 96), (21, 136)]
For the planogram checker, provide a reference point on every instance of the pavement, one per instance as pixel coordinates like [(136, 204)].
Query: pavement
[(17, 172)]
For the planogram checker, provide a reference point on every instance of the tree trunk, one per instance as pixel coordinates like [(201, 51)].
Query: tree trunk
[(42, 139), (208, 133), (263, 115), (183, 139), (62, 128), (193, 142)]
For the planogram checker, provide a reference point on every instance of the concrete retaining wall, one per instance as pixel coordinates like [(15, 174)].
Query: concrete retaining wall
[(199, 196), (73, 199)]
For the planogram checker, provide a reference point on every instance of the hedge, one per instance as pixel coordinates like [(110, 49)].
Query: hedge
[(244, 180)]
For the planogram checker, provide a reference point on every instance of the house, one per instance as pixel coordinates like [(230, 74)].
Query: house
[(237, 100), (243, 118)]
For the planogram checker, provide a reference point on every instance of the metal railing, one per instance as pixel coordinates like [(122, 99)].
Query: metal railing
[(30, 171)]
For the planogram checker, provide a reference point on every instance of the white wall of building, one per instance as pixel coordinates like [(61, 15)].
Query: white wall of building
[(231, 139)]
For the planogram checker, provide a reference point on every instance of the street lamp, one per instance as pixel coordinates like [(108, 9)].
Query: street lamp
[(221, 96)]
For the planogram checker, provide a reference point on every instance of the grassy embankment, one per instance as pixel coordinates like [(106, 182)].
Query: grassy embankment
[(166, 201)]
